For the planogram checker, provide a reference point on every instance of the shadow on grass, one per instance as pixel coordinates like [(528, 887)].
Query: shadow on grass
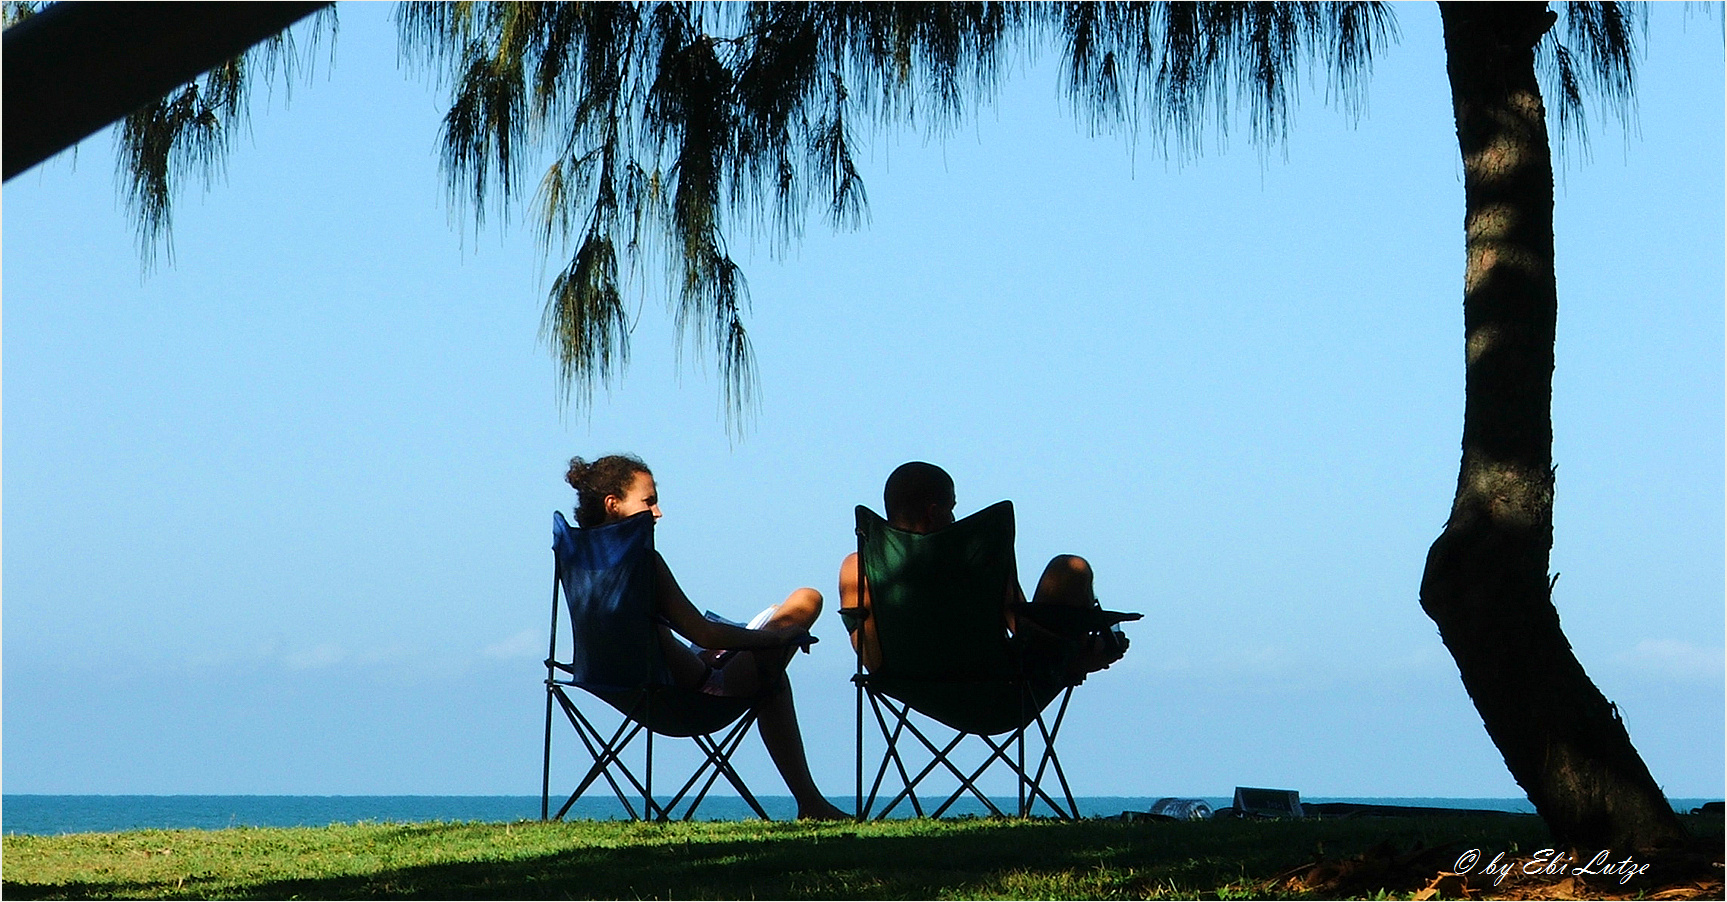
[(923, 860)]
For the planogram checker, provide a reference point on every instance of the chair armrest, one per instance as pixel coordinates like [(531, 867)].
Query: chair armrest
[(1069, 621), (853, 618)]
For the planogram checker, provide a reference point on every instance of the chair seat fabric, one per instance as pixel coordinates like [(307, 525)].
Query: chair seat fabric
[(671, 711), (607, 576)]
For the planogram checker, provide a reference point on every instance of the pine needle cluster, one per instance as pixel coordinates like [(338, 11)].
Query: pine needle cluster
[(663, 128)]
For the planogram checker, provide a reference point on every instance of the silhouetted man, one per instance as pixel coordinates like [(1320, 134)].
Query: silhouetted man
[(919, 498)]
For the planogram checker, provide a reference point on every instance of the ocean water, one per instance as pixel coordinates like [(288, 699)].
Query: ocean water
[(56, 814)]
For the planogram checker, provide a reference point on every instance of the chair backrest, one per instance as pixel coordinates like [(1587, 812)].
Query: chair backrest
[(607, 576), (938, 599)]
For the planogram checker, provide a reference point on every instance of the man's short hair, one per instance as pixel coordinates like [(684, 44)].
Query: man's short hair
[(913, 487)]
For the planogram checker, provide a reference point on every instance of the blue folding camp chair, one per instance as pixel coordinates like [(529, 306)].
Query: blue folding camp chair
[(605, 575)]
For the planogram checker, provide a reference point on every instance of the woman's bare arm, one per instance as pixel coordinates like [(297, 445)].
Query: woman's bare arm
[(672, 604)]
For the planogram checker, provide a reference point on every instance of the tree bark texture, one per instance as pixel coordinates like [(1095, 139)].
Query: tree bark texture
[(1486, 582)]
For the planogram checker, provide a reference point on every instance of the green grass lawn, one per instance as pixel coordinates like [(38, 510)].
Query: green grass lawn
[(957, 859)]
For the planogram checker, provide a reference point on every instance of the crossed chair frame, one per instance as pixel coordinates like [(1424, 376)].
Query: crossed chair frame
[(1010, 750), (607, 752)]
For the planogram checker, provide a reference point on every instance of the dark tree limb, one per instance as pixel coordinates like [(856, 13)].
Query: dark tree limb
[(76, 67)]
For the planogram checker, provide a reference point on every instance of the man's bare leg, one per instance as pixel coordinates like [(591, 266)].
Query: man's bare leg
[(1067, 580)]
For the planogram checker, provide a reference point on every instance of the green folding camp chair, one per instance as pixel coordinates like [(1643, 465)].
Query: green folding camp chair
[(939, 603)]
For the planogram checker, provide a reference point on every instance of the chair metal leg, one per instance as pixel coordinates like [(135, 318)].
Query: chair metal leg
[(1010, 751), (551, 658), (902, 723), (889, 756), (725, 765), (546, 764), (718, 764), (859, 812), (1053, 760), (605, 753), (648, 790), (736, 738), (1019, 770), (608, 763), (939, 757), (892, 755), (969, 783)]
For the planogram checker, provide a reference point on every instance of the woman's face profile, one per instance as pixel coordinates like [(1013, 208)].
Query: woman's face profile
[(642, 495)]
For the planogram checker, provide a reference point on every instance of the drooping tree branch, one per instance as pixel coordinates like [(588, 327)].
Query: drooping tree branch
[(1185, 70), (676, 124)]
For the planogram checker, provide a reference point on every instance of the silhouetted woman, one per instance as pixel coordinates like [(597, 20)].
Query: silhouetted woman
[(731, 660)]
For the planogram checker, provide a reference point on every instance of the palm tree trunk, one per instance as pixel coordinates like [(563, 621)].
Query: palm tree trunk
[(1486, 583)]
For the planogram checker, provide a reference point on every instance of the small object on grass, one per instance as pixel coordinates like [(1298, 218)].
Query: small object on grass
[(1274, 803), (1180, 810)]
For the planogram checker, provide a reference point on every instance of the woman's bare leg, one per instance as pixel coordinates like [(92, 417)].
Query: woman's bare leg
[(799, 610), (777, 718), (777, 722), (748, 672)]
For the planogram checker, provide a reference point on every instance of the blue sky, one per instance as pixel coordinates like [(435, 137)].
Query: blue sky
[(276, 518)]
